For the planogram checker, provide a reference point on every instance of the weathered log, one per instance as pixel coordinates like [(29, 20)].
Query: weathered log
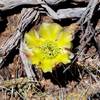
[(54, 2), (10, 4), (70, 13), (79, 1), (60, 14)]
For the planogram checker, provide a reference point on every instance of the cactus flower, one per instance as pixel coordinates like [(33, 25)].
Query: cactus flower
[(48, 46)]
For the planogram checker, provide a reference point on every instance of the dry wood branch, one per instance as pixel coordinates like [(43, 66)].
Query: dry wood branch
[(70, 13), (81, 1), (27, 65), (89, 32), (60, 14), (54, 2), (10, 4), (28, 16), (88, 13)]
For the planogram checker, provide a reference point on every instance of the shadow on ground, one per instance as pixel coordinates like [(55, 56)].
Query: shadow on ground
[(60, 78)]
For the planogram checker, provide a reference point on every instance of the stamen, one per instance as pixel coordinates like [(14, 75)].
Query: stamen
[(50, 49)]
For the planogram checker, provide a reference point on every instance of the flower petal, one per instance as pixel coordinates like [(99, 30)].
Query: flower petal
[(49, 30), (64, 58), (37, 57), (44, 30), (65, 40), (31, 39), (54, 30), (47, 65)]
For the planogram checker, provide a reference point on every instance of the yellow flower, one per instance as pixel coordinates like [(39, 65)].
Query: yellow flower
[(49, 46)]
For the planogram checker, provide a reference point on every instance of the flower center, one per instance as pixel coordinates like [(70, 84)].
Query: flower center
[(49, 49)]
